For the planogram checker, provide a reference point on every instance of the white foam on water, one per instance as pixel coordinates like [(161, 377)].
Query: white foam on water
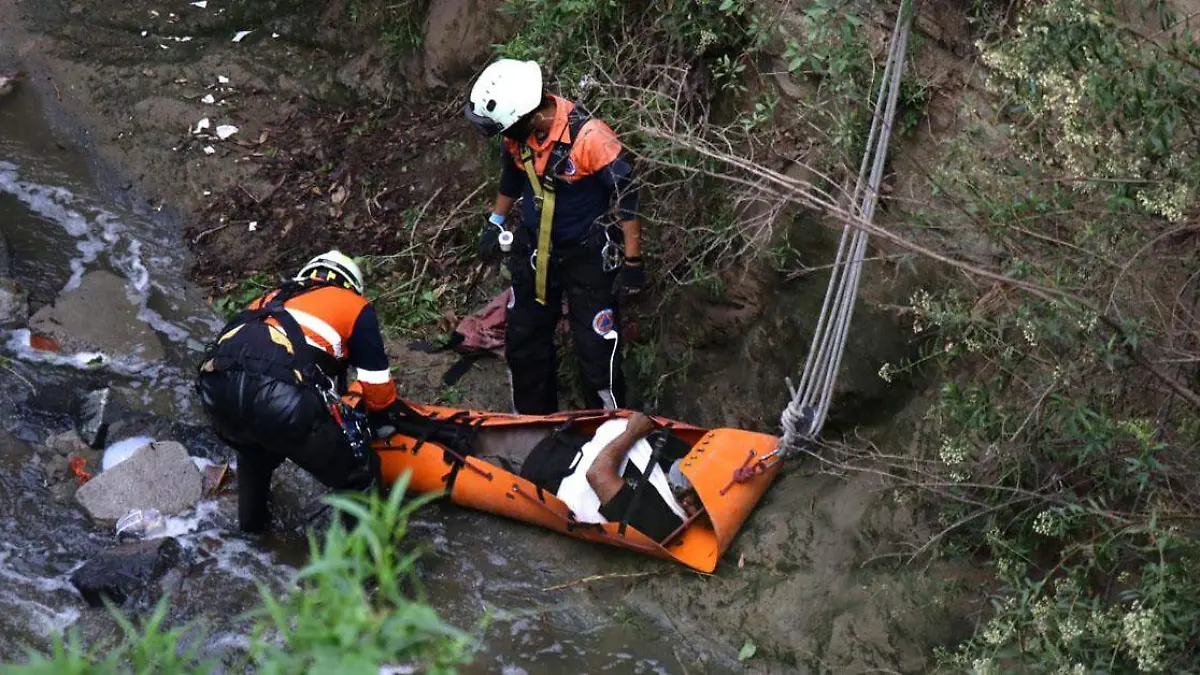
[(99, 231), (122, 450), (18, 344), (189, 522), (48, 619), (238, 559)]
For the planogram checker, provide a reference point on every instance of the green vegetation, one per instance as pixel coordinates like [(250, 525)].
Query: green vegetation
[(397, 22), (1062, 442), (351, 612), (242, 295)]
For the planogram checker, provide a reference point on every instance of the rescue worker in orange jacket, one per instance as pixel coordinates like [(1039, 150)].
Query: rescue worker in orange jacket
[(269, 380), (571, 173)]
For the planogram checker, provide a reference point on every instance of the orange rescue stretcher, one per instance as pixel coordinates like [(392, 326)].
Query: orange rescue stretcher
[(729, 468)]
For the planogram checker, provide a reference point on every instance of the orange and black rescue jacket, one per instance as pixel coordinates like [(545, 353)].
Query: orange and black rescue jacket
[(339, 326), (589, 168)]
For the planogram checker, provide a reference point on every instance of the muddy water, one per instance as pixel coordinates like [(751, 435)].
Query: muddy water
[(63, 218)]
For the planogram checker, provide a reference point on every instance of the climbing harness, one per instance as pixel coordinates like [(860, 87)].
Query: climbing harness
[(281, 351), (804, 416), (544, 198)]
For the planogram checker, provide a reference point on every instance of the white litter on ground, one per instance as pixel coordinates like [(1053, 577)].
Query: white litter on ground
[(208, 98), (241, 34), (221, 79), (225, 131), (209, 150), (202, 4), (202, 125)]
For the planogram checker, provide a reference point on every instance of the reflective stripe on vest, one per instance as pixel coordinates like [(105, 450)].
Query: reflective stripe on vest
[(374, 376), (322, 329)]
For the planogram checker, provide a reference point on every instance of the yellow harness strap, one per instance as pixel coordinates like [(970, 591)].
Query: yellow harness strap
[(545, 194)]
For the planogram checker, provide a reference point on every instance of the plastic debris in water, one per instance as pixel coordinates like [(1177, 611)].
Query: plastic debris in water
[(241, 34), (225, 131), (140, 524), (78, 465), (43, 343)]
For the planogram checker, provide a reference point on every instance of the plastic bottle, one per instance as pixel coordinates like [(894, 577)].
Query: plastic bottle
[(140, 524)]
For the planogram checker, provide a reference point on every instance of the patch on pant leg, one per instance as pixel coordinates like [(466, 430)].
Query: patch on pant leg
[(603, 322)]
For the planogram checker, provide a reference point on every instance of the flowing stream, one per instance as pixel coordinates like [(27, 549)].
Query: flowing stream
[(63, 216)]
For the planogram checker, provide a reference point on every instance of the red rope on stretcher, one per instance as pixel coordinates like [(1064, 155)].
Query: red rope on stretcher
[(745, 472)]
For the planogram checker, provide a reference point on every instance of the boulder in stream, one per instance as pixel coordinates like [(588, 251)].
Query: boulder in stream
[(159, 476), (14, 304), (97, 315), (127, 571)]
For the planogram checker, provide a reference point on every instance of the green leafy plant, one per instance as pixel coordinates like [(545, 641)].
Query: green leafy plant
[(242, 295)]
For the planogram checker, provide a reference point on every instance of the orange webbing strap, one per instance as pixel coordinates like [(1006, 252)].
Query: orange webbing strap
[(545, 194)]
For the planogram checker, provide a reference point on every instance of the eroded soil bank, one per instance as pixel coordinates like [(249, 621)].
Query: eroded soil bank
[(340, 142)]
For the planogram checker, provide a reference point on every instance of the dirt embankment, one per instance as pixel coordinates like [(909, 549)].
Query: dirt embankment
[(395, 173)]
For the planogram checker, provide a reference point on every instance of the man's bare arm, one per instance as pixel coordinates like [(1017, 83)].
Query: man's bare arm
[(602, 474)]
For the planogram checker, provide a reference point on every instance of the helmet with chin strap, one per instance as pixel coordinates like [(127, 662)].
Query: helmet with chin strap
[(334, 267), (506, 91)]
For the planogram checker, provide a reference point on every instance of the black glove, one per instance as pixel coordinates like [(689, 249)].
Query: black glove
[(489, 242), (631, 279), (385, 422)]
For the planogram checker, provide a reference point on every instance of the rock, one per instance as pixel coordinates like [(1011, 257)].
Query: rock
[(791, 87), (68, 443), (160, 476), (97, 315), (97, 411), (5, 257), (14, 304), (458, 34), (126, 571)]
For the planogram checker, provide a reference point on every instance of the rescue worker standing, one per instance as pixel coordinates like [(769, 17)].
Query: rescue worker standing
[(570, 170), (268, 381)]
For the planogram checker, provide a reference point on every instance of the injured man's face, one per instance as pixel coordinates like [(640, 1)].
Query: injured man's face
[(682, 490)]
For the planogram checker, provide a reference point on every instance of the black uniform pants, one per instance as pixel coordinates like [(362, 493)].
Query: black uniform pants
[(267, 421), (577, 273)]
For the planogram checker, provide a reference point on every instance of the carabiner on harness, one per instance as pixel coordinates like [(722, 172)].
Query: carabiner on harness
[(352, 422), (610, 254)]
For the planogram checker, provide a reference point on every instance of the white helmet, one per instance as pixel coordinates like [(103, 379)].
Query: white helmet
[(506, 91), (339, 263)]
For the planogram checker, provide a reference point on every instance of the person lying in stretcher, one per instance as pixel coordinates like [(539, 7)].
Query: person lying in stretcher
[(605, 478)]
